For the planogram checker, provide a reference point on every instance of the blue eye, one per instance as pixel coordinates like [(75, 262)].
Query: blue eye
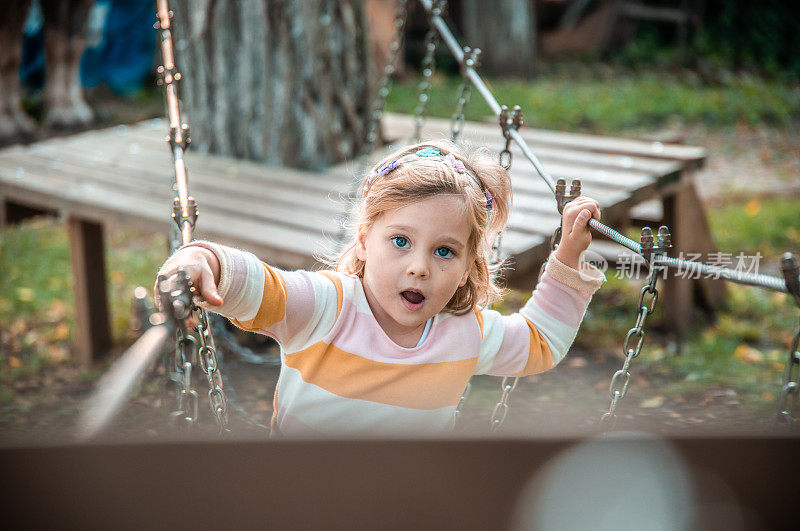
[(444, 252), (400, 241)]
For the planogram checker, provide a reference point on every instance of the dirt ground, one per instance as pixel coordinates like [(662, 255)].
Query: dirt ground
[(568, 400)]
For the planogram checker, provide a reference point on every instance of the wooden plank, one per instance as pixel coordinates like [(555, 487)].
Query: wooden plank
[(601, 160), (399, 125), (91, 202), (92, 327), (227, 201), (213, 167)]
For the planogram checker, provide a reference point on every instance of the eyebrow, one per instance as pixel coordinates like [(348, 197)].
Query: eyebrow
[(447, 240)]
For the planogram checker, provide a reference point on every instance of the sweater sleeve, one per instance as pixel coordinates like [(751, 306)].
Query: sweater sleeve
[(294, 307), (538, 337)]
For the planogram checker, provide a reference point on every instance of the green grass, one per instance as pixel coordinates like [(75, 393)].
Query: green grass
[(768, 226), (746, 347), (617, 102), (36, 299)]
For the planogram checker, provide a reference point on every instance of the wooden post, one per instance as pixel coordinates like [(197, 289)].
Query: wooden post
[(684, 214), (92, 330)]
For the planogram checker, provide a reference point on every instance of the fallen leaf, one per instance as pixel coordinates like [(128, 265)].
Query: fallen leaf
[(653, 402), (15, 362), (17, 327), (61, 331), (57, 311), (752, 207), (748, 354), (57, 352)]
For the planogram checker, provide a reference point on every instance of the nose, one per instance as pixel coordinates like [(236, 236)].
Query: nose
[(418, 265)]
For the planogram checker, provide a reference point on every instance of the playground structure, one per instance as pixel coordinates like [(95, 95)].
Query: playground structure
[(500, 469), (653, 248), (61, 174)]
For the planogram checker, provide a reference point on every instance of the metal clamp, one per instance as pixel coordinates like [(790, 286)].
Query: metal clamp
[(177, 213), (179, 138), (661, 245), (167, 75), (562, 197), (791, 273), (506, 125)]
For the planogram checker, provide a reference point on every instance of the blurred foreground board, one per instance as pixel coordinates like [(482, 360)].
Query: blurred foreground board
[(615, 483)]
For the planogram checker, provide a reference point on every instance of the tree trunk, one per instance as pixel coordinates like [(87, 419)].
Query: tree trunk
[(505, 30), (286, 82)]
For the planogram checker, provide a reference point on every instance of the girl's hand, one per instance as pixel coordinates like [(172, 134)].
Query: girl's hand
[(575, 235), (203, 269)]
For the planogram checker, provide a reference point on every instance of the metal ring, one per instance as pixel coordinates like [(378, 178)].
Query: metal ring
[(633, 331)]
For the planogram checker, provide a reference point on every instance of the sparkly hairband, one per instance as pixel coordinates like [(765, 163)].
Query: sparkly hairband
[(426, 152)]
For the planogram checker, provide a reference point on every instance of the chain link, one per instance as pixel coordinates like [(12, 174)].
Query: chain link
[(461, 402), (787, 404), (622, 378), (208, 364), (471, 60), (428, 68), (500, 410)]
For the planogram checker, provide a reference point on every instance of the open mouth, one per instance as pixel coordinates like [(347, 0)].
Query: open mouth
[(413, 297)]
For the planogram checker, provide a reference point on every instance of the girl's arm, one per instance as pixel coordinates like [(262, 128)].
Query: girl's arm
[(539, 336), (292, 307)]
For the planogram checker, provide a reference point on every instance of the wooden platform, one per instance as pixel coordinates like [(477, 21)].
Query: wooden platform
[(288, 217)]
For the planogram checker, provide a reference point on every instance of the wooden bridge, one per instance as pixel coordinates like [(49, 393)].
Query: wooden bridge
[(289, 217)]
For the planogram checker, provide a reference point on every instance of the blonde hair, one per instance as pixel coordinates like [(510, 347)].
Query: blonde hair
[(417, 178)]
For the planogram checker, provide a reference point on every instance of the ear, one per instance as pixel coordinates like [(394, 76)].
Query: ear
[(361, 244)]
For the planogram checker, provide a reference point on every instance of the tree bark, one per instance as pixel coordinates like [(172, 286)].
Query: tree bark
[(286, 82), (505, 30)]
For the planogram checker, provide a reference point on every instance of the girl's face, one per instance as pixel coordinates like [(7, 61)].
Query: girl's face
[(415, 257)]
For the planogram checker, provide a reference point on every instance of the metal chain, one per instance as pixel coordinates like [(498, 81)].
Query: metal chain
[(500, 410), (461, 402), (471, 60), (185, 216), (208, 363), (622, 378), (428, 67), (187, 399), (787, 404), (373, 128)]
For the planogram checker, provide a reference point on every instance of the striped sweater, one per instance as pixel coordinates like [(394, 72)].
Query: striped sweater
[(341, 373)]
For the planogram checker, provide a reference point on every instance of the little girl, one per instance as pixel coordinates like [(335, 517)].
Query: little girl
[(388, 341)]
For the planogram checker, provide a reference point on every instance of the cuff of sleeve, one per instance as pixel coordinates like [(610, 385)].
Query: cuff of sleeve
[(224, 264), (587, 280)]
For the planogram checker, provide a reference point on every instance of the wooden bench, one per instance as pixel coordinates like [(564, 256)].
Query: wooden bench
[(288, 217)]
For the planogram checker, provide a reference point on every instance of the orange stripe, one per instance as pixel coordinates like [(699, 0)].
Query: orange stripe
[(540, 358), (339, 290), (424, 386), (273, 303), (479, 316)]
